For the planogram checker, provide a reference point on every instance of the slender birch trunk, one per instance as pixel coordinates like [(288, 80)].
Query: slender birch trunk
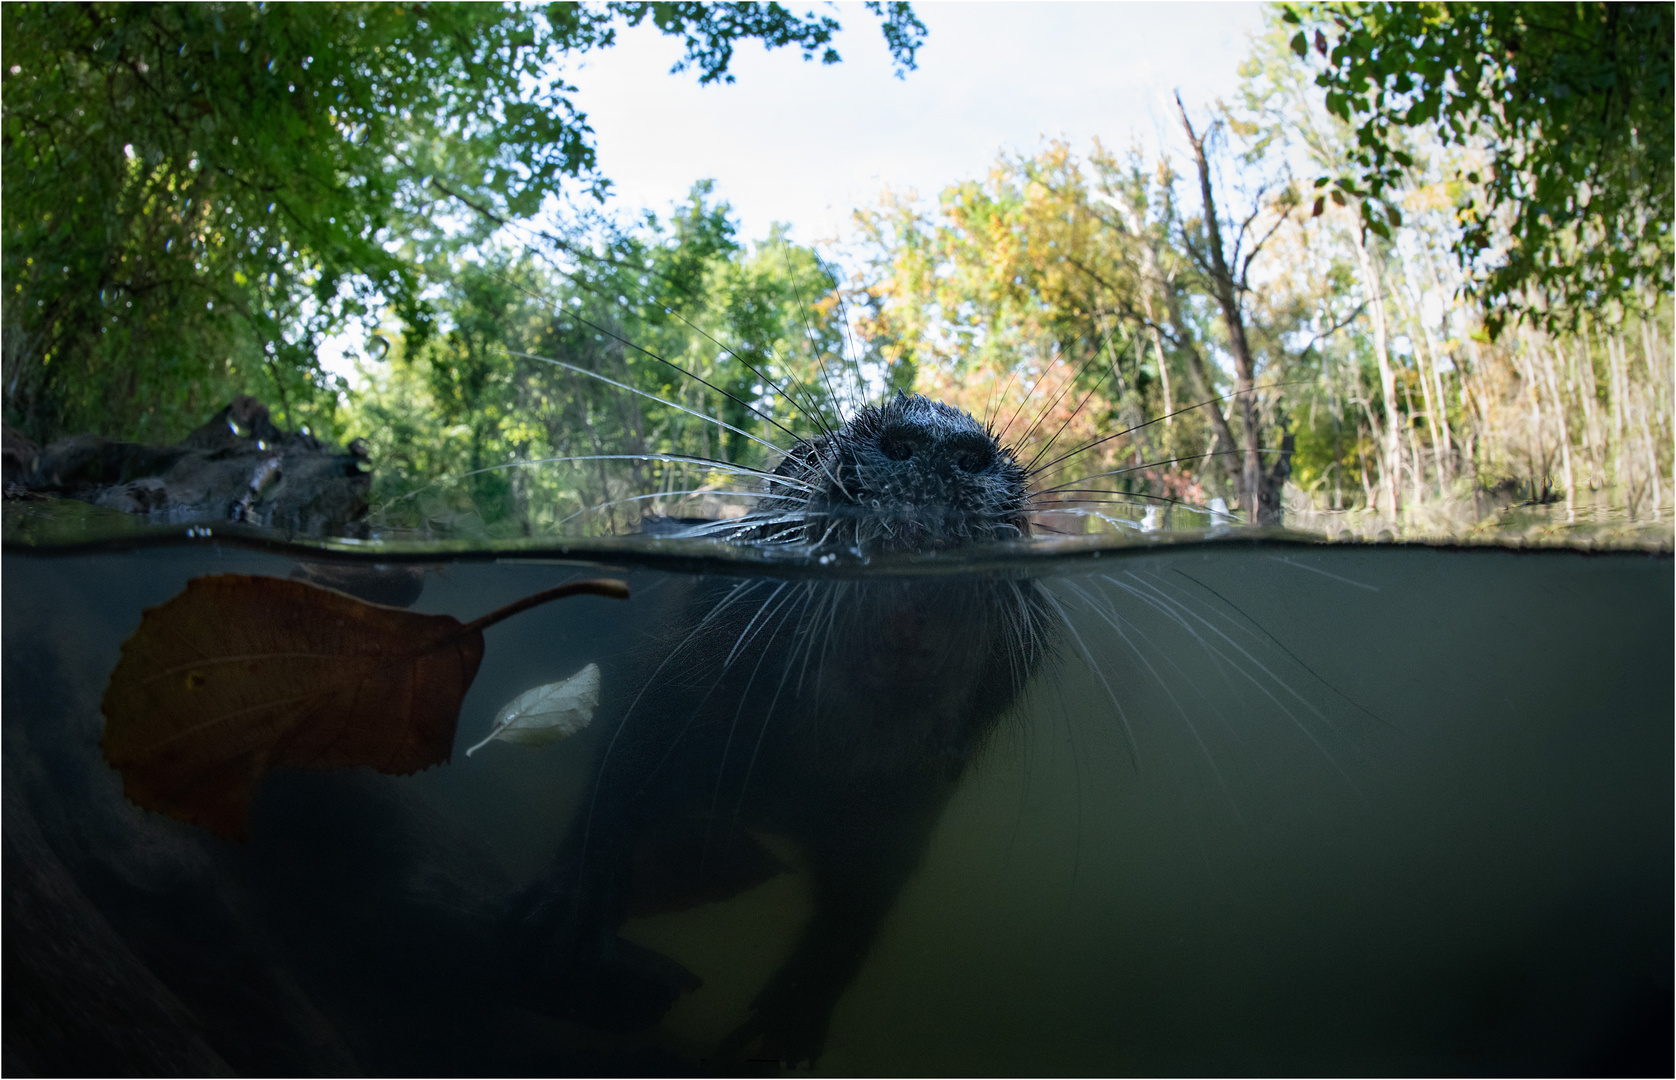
[(1658, 378), (1163, 369), (1549, 369), (1437, 372), (1533, 395), (1153, 280), (1423, 359), (1444, 452), (1644, 406), (1588, 387), (1615, 380), (1418, 473), (1391, 436)]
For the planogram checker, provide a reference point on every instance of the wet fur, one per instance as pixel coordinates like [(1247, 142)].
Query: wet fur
[(838, 714)]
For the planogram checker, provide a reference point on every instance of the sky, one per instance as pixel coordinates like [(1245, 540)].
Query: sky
[(805, 143)]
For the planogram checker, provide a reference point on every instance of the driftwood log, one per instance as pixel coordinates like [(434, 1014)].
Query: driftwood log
[(237, 467)]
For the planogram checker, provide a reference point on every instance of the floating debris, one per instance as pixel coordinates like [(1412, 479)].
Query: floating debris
[(547, 713)]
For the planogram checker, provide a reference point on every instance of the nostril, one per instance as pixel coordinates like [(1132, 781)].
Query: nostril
[(896, 449), (974, 457)]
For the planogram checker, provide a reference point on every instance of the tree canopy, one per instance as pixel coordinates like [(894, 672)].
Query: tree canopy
[(1570, 208), (567, 387), (1349, 361), (197, 193)]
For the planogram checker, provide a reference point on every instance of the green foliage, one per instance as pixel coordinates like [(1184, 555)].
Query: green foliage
[(1060, 298), (502, 419), (197, 193), (1571, 103)]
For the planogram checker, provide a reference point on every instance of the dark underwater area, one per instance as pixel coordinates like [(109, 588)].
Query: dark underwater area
[(1271, 804)]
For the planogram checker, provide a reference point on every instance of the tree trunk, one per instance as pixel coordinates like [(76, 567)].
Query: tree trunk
[(1227, 298), (1151, 280), (1163, 370), (1588, 388), (1196, 364), (1437, 371), (1551, 374), (1615, 387), (1425, 359), (1391, 437)]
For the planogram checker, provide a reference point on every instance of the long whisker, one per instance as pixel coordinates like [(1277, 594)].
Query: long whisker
[(1145, 588), (806, 630), (1099, 673), (664, 401), (768, 714), (1160, 419), (1257, 627), (1116, 622), (1116, 498), (605, 758), (1116, 522), (657, 495), (748, 633), (1074, 412), (843, 314), (613, 335), (1066, 486), (812, 416), (682, 459), (744, 695), (1025, 400), (809, 331), (747, 523), (1070, 384), (998, 400)]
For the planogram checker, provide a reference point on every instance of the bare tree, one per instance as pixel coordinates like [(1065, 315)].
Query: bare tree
[(1229, 273)]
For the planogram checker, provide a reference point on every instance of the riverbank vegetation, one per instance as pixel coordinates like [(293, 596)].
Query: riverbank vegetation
[(1427, 337), (1418, 269)]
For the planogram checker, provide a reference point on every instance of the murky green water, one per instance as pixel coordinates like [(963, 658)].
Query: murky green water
[(1271, 807)]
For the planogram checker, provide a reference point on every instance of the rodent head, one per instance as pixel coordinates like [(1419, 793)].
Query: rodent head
[(911, 475)]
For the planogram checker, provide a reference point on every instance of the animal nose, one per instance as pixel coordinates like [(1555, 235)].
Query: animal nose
[(968, 452), (971, 453), (901, 443)]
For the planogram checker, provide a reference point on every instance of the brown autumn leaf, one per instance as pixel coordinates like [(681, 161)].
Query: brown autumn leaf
[(239, 674)]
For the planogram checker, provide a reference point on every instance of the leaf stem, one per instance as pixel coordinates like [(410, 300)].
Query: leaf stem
[(617, 590)]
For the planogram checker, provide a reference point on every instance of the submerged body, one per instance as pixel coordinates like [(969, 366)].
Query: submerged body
[(838, 716)]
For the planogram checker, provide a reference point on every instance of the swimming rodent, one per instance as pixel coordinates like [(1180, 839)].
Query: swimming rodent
[(838, 714)]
